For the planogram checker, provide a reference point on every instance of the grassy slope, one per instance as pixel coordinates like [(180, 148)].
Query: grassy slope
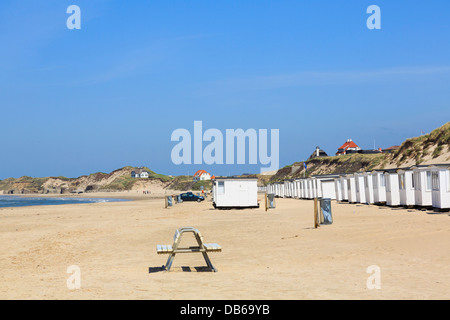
[(416, 149), (330, 165), (123, 181), (184, 183), (432, 144)]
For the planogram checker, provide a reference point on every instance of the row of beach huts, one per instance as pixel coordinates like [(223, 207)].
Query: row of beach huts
[(418, 186)]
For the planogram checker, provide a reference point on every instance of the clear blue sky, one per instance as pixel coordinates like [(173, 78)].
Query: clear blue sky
[(74, 102)]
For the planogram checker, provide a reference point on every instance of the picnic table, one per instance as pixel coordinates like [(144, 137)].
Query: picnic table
[(202, 247)]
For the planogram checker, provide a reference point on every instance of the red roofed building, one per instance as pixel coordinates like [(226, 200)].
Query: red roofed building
[(202, 175), (348, 147)]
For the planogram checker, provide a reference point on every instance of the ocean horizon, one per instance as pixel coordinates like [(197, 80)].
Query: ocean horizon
[(7, 201)]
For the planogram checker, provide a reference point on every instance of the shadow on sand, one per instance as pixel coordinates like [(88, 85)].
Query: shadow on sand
[(179, 269)]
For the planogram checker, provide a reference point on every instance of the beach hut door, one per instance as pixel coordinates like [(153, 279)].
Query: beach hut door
[(243, 194)]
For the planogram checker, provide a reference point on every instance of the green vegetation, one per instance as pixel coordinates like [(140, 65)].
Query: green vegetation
[(415, 149), (330, 165), (122, 183), (185, 183), (23, 183), (207, 185), (419, 147), (437, 151), (97, 181), (161, 177)]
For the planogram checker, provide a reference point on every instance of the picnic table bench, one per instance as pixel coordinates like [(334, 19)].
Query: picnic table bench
[(172, 250)]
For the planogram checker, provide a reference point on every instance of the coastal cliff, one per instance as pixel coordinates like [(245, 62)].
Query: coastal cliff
[(429, 148), (426, 149)]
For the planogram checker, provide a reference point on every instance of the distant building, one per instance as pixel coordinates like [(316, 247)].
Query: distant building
[(318, 153), (348, 147), (139, 173), (201, 175)]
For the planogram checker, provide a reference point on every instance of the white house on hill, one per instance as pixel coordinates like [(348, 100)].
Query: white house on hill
[(348, 147), (139, 173), (201, 175)]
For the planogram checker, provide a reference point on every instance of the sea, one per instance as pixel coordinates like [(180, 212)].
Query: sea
[(18, 201)]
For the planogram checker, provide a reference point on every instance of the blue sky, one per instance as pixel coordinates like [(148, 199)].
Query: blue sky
[(74, 102)]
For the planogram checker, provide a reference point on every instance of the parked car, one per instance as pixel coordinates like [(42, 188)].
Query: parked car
[(189, 196)]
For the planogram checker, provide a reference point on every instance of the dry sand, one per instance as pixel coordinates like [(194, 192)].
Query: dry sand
[(266, 255)]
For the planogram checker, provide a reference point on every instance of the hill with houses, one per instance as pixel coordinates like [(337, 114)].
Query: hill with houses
[(123, 179), (126, 178), (426, 149), (429, 148)]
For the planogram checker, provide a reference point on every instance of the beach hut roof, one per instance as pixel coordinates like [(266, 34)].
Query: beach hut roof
[(390, 170), (440, 165), (325, 175), (404, 169), (420, 166), (238, 178)]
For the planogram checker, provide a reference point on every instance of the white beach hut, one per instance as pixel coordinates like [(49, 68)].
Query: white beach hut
[(406, 187), (328, 189), (338, 189), (324, 186), (304, 189), (344, 188), (440, 180), (351, 188), (229, 192), (293, 188), (315, 190), (379, 186), (286, 188), (317, 187), (422, 185), (310, 191), (327, 185), (360, 189), (368, 187), (392, 188), (306, 192), (299, 188)]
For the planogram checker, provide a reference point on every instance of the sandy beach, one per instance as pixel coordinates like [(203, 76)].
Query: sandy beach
[(266, 255)]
